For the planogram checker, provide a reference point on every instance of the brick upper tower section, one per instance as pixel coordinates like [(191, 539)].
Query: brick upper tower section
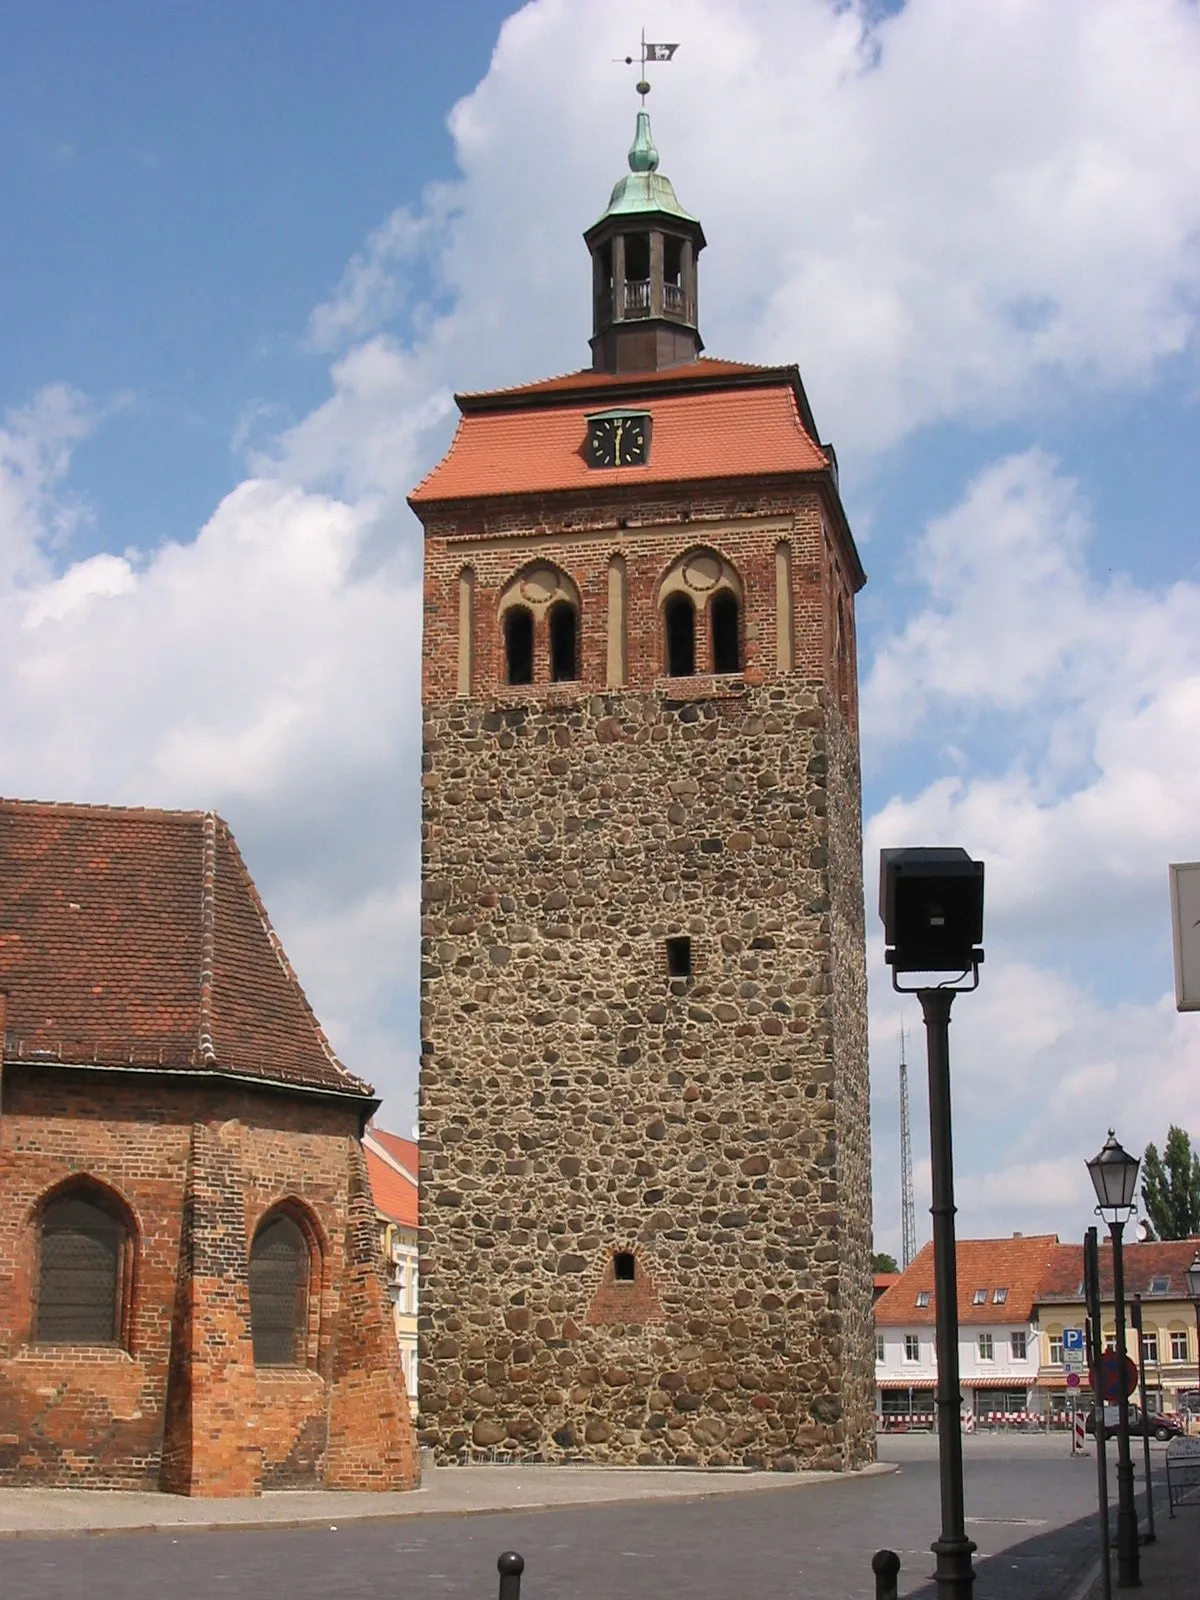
[(729, 444)]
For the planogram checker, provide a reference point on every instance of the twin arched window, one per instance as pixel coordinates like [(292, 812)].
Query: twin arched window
[(701, 616), (539, 621)]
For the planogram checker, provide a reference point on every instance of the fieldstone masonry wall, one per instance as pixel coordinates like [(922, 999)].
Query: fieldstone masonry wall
[(578, 1102)]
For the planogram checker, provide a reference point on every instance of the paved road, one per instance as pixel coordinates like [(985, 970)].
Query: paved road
[(1031, 1512)]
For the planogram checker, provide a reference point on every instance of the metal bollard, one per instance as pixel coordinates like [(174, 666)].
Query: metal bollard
[(510, 1567), (885, 1564)]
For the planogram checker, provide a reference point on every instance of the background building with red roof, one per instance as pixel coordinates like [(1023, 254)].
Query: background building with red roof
[(998, 1284), (393, 1165), (190, 1290)]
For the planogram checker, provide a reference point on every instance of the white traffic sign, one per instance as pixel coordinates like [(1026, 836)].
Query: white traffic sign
[(1185, 926), (1073, 1360)]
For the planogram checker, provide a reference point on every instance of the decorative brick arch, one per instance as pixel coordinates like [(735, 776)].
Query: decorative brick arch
[(543, 591), (704, 578)]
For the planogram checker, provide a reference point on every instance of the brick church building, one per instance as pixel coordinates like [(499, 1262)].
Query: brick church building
[(191, 1296), (644, 1096)]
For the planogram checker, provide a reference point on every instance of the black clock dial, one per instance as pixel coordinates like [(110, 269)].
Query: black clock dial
[(620, 439)]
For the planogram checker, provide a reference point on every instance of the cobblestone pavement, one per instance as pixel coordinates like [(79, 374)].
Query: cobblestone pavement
[(1031, 1510)]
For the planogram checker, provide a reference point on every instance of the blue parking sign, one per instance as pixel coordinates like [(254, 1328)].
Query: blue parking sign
[(1072, 1338)]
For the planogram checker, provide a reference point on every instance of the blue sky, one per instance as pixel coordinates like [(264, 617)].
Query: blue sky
[(248, 253)]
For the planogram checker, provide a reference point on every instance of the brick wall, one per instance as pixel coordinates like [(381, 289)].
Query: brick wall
[(195, 1168)]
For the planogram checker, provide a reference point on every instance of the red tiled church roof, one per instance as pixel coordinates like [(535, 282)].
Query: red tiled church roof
[(1016, 1265), (709, 420), (1157, 1258), (137, 938)]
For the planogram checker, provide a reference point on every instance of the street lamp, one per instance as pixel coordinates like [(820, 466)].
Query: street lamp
[(1114, 1177), (1193, 1283), (931, 903)]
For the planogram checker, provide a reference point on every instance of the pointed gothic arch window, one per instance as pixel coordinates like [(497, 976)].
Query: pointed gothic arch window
[(679, 618), (518, 645), (724, 621), (84, 1269), (564, 642), (280, 1268)]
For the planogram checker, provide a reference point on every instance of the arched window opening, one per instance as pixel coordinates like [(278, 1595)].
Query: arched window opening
[(518, 645), (81, 1261), (279, 1270), (637, 274), (679, 615), (564, 643), (726, 654)]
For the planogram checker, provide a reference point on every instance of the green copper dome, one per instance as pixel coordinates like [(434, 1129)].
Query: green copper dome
[(645, 189)]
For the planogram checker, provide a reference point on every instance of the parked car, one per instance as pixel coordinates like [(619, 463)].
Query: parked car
[(1156, 1423)]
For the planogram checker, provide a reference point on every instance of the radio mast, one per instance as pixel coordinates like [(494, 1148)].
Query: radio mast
[(908, 1205)]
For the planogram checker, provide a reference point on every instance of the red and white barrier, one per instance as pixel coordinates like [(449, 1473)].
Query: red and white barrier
[(1080, 1430)]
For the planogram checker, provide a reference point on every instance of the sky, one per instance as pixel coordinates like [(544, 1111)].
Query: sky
[(250, 251)]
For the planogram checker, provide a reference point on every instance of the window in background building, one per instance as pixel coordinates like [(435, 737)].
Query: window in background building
[(912, 1347), (987, 1349), (1056, 1349), (1018, 1339), (1179, 1345), (1110, 1340), (980, 1297), (1150, 1345), (999, 1296), (922, 1298), (879, 1347)]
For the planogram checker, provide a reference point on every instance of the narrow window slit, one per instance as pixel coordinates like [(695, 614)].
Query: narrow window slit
[(680, 620), (624, 1266), (518, 645), (725, 643), (679, 957), (564, 643)]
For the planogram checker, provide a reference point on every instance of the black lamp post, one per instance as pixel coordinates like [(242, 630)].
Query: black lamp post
[(1114, 1177), (931, 903), (1193, 1283)]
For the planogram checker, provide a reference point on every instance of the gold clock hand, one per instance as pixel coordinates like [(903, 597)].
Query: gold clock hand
[(618, 431)]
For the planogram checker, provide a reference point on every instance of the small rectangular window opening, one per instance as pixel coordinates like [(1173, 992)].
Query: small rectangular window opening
[(637, 257), (624, 1266), (679, 957)]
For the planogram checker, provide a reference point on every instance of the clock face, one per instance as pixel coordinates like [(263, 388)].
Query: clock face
[(619, 439)]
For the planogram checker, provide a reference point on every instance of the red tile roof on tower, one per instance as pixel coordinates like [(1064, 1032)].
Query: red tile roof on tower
[(133, 938), (709, 420), (1159, 1261), (392, 1167), (1015, 1266)]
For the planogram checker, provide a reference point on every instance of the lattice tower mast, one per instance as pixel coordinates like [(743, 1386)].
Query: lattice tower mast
[(908, 1204)]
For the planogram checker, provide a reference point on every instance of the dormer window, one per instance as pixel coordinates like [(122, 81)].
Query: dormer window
[(980, 1297), (999, 1296), (1160, 1285), (922, 1298)]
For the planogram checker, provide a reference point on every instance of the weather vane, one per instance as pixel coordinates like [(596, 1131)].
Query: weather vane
[(650, 52)]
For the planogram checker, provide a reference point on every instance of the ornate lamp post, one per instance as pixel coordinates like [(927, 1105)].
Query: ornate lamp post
[(1193, 1284), (1114, 1177)]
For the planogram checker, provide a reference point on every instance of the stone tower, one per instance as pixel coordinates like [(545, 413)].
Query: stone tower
[(645, 1155)]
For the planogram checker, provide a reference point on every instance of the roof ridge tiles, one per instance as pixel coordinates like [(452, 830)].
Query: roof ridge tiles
[(208, 895), (85, 808)]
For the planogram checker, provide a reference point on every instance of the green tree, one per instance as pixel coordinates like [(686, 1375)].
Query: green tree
[(883, 1263), (1171, 1187)]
